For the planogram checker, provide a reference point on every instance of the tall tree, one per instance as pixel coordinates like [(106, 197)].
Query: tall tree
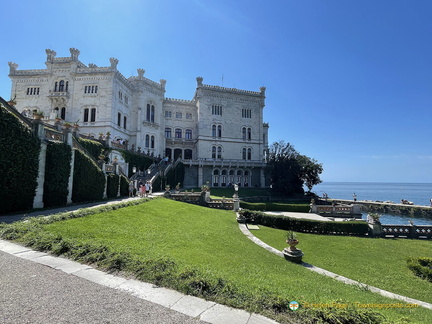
[(289, 170)]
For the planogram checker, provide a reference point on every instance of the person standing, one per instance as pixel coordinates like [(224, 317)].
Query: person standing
[(131, 188), (354, 197), (147, 188)]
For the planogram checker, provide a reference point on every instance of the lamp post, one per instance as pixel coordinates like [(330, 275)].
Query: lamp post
[(148, 174), (236, 199)]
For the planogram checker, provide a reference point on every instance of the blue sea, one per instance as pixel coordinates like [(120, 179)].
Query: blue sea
[(418, 193)]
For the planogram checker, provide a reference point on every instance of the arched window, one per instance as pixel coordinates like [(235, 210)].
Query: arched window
[(152, 114), (239, 176), (178, 133), (219, 133), (188, 154), (93, 115), (152, 142), (219, 152), (124, 122), (56, 109), (244, 133), (86, 115), (67, 86), (214, 130), (231, 177), (249, 134), (147, 139), (244, 153), (223, 178), (55, 86), (249, 154), (213, 152), (119, 119), (168, 132), (188, 134), (216, 178), (246, 178), (61, 86), (63, 113)]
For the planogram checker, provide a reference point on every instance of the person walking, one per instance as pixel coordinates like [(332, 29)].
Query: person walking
[(131, 189)]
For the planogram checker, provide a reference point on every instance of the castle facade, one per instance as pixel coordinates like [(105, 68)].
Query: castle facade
[(219, 134)]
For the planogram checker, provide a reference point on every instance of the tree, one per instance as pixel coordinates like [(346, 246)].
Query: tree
[(290, 171)]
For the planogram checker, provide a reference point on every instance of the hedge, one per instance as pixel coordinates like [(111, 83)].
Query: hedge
[(57, 172), (19, 164), (124, 186), (357, 228), (112, 185), (422, 267), (95, 148), (270, 206), (89, 180)]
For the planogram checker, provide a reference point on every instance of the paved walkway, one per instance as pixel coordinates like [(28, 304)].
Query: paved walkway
[(37, 287), (245, 230)]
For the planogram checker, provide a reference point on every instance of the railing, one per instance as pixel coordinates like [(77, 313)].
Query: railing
[(335, 210), (409, 231)]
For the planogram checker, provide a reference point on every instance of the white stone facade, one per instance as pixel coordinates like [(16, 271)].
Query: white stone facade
[(220, 134)]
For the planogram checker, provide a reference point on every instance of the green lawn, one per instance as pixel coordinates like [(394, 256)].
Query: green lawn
[(376, 262), (210, 241)]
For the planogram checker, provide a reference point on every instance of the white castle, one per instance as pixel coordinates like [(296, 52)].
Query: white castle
[(219, 134)]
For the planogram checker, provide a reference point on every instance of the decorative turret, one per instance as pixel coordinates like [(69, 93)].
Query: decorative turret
[(140, 73), (12, 68), (74, 54), (263, 89), (162, 83), (199, 81), (50, 55), (114, 63)]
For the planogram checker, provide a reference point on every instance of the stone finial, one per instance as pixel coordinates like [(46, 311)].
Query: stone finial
[(162, 83), (12, 67), (263, 89), (50, 55), (140, 73), (114, 62), (74, 54), (92, 65), (199, 81)]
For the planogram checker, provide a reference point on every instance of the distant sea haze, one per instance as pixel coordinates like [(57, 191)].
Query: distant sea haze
[(418, 193)]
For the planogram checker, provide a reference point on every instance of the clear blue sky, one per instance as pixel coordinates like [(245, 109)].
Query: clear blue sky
[(349, 83)]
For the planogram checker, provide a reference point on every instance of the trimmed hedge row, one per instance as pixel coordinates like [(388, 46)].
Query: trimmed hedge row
[(93, 147), (57, 172), (19, 164), (124, 186), (357, 228), (112, 185), (269, 206), (89, 180)]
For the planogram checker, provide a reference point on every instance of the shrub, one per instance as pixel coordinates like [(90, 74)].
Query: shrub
[(89, 180), (57, 172), (19, 164), (124, 186), (93, 147), (112, 185), (422, 267)]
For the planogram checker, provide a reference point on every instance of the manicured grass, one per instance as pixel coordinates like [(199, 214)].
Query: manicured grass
[(210, 242), (377, 262)]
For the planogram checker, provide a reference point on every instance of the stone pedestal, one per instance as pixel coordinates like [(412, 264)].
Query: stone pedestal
[(293, 255)]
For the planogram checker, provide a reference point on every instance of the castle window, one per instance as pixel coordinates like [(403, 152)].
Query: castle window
[(216, 110), (147, 140), (34, 91), (213, 152), (124, 122), (152, 142), (119, 119), (249, 134), (178, 133), (91, 89), (148, 112), (219, 131), (168, 132), (246, 113), (93, 115), (244, 133), (214, 130), (55, 86), (61, 86), (63, 113), (152, 114), (86, 115), (188, 115), (178, 115), (219, 152), (188, 134), (167, 114), (244, 153), (249, 154)]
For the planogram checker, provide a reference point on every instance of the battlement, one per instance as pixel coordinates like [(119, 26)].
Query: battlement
[(180, 101)]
